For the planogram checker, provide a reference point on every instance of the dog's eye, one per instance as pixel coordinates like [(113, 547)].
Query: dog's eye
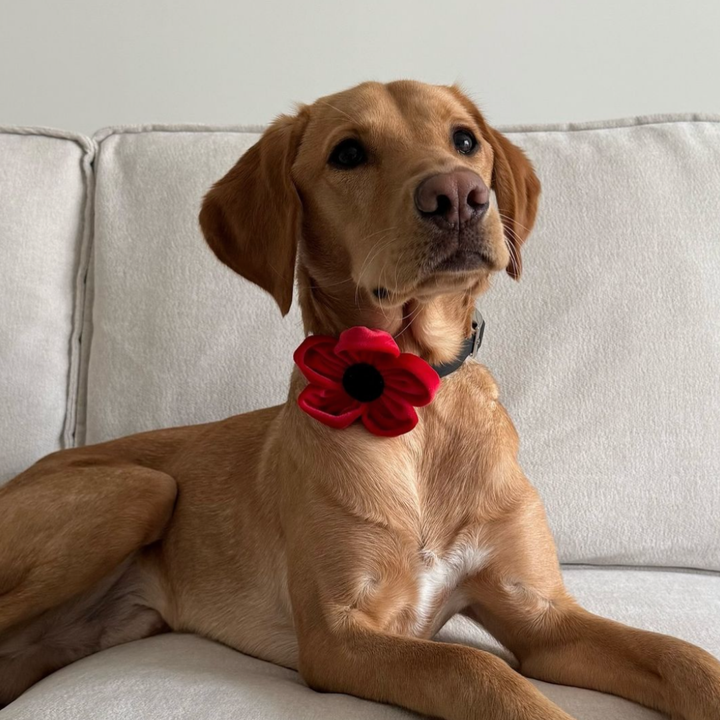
[(464, 141), (348, 154)]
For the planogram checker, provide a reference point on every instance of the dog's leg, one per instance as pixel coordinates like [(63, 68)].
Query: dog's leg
[(521, 599), (66, 527), (347, 591), (441, 680)]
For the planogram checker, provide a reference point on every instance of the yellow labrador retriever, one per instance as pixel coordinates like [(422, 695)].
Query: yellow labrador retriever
[(338, 552)]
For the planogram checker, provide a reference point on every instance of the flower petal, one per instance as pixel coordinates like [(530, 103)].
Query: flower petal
[(412, 378), (390, 415), (318, 362), (334, 408), (361, 344)]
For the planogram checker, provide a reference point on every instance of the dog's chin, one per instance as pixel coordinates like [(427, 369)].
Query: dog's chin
[(456, 276), (450, 281)]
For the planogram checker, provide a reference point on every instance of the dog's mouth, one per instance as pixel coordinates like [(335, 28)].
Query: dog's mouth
[(461, 250), (464, 260), (451, 262), (452, 273)]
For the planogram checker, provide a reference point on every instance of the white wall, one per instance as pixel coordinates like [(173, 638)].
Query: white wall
[(83, 64)]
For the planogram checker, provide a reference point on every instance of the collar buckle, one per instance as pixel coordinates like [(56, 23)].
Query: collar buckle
[(478, 326), (470, 347)]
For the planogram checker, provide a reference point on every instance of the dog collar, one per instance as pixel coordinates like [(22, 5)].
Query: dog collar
[(470, 347), (362, 375)]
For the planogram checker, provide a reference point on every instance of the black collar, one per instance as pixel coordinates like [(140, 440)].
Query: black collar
[(469, 348)]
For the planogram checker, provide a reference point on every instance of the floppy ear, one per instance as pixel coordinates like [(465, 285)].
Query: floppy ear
[(252, 217), (517, 190), (516, 186)]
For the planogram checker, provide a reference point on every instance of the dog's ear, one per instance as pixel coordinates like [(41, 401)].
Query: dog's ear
[(517, 190), (252, 217), (516, 186)]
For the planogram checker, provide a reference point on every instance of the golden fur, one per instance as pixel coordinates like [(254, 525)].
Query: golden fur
[(336, 552)]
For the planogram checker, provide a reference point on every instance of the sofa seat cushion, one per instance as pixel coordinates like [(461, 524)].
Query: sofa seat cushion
[(183, 677)]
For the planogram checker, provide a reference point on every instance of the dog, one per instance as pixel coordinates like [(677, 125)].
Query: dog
[(337, 552)]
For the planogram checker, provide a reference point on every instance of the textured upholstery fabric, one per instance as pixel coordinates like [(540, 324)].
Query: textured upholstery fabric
[(44, 178), (606, 351), (177, 337), (181, 677)]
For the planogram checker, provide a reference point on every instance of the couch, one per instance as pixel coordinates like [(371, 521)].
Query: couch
[(116, 318)]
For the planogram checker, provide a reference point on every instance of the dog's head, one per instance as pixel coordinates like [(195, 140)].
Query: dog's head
[(383, 193)]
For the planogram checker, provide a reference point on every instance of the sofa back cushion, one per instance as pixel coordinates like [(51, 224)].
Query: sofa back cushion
[(606, 351), (44, 183), (177, 337)]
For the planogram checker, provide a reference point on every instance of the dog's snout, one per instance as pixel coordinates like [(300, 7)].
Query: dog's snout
[(453, 197)]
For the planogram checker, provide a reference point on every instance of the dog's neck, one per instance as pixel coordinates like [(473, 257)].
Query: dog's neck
[(433, 329)]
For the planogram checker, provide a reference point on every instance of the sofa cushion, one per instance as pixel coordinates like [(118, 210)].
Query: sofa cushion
[(44, 184), (182, 677), (606, 351), (177, 337)]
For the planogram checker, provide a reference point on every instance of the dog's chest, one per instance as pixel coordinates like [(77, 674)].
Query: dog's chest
[(463, 450), (439, 583), (422, 506)]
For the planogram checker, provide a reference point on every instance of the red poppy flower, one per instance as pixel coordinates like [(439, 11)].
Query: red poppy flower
[(363, 375)]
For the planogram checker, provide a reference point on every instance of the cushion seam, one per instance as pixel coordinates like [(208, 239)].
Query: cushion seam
[(619, 123), (86, 144), (77, 341), (645, 568)]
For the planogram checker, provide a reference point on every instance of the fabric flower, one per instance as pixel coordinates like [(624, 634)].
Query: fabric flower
[(363, 375)]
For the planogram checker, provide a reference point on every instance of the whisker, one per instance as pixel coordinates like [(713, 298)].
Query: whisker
[(412, 317), (322, 287), (350, 280), (397, 265), (513, 221), (512, 241), (368, 260), (377, 232), (381, 244), (342, 112), (382, 284), (513, 236), (514, 252)]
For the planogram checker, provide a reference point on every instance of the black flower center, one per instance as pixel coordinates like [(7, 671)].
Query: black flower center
[(363, 382)]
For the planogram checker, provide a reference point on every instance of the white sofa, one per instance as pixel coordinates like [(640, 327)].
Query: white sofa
[(117, 318)]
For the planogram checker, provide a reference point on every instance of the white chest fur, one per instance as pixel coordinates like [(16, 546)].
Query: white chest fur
[(439, 583)]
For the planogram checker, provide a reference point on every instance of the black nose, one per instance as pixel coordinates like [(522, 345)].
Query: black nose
[(452, 198)]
